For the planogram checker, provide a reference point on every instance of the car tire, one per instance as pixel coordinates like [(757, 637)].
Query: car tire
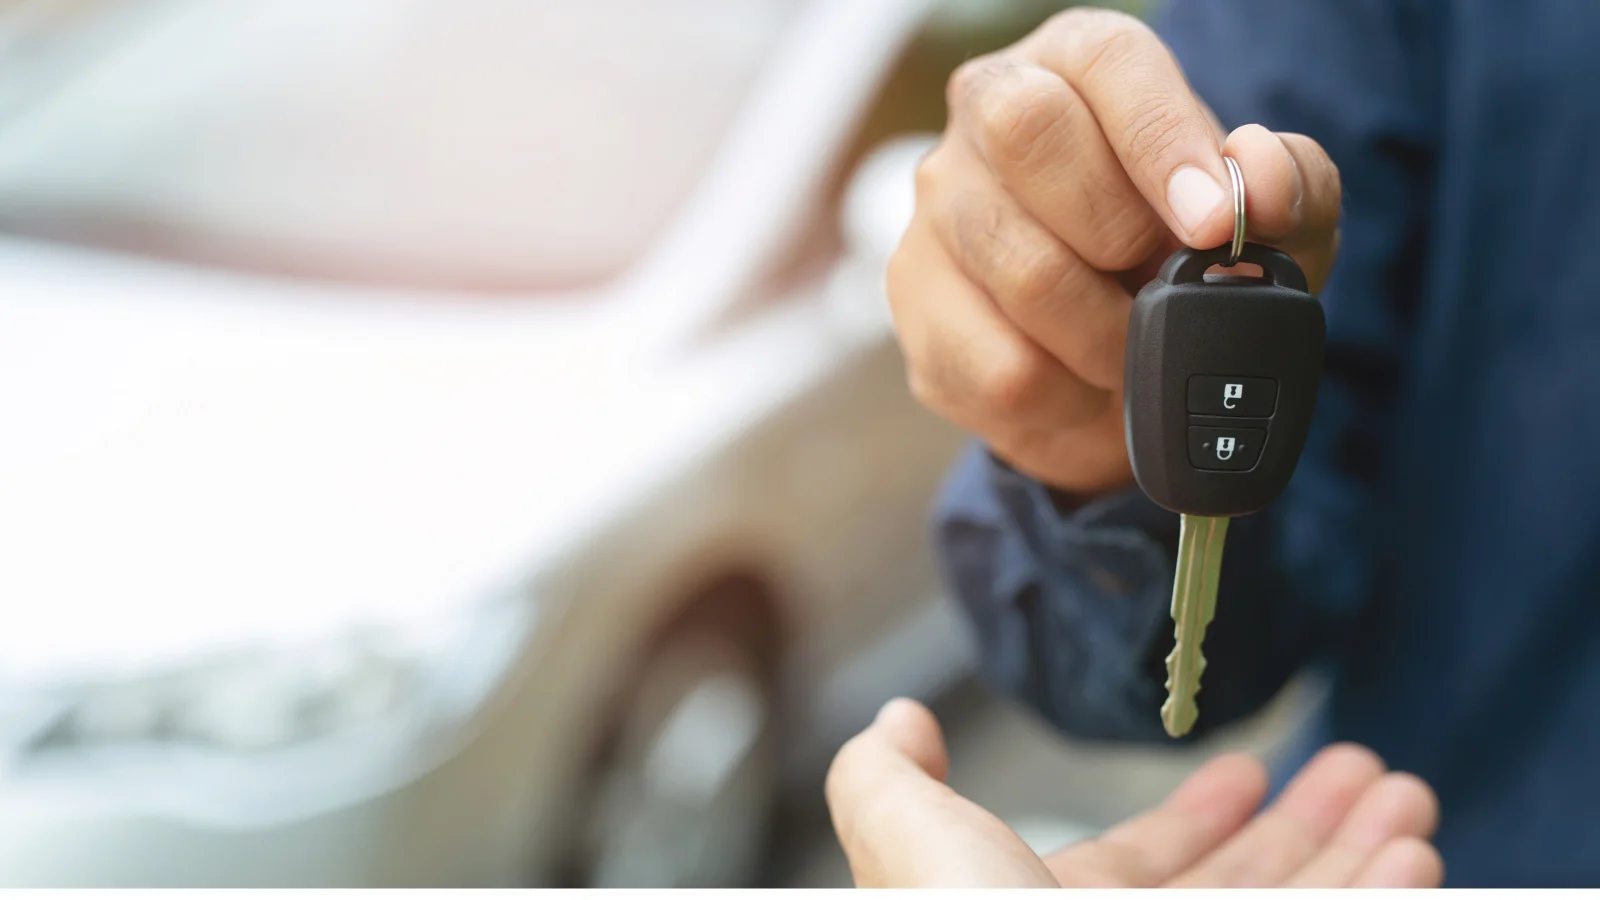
[(683, 791)]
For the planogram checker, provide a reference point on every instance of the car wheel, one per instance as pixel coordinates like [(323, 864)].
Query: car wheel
[(685, 790)]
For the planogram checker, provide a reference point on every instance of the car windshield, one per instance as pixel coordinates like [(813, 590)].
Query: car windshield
[(479, 144)]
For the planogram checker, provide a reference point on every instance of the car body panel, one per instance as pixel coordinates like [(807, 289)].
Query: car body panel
[(255, 460)]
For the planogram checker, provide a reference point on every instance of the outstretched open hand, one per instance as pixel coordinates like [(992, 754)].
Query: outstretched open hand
[(1344, 820)]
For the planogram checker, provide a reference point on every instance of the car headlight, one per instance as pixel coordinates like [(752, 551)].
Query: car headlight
[(254, 702), (254, 699)]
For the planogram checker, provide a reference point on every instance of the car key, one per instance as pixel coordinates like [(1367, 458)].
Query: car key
[(1221, 381)]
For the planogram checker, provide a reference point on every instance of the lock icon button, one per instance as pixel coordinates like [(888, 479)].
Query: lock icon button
[(1225, 449)]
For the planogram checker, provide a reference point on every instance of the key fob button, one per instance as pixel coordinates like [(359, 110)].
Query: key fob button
[(1223, 395), (1225, 449)]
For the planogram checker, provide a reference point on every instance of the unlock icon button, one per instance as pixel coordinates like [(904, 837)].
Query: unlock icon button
[(1232, 395)]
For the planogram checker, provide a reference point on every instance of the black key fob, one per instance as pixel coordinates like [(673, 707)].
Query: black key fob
[(1221, 381)]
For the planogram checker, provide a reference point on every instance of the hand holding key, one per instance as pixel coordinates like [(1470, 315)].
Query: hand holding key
[(1075, 162)]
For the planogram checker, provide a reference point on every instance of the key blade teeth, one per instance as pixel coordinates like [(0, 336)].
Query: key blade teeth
[(1193, 605), (1189, 679), (1180, 711)]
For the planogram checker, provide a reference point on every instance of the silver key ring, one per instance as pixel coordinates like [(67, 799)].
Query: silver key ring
[(1237, 177)]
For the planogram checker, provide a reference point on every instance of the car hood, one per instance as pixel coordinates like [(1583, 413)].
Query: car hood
[(192, 459)]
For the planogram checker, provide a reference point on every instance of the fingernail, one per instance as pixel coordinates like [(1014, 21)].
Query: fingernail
[(1193, 197)]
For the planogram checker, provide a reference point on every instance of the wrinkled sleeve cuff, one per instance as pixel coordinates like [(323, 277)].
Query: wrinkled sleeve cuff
[(1070, 603)]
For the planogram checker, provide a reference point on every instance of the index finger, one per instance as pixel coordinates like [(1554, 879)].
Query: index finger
[(1157, 127)]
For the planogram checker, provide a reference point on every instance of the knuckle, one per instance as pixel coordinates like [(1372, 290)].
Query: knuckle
[(981, 236), (1020, 123), (924, 389), (1035, 279), (1099, 38), (1090, 20), (1094, 20), (930, 171), (965, 82), (1009, 384)]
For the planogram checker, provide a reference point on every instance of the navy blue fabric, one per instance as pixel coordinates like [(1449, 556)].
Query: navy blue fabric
[(1438, 549)]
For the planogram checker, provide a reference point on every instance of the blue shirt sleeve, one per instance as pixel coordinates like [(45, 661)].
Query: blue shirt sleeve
[(1066, 607), (1071, 607)]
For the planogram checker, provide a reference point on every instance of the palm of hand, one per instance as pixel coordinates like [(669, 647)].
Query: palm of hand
[(1342, 821)]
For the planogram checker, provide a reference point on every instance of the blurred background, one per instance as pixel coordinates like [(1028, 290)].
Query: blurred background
[(463, 443)]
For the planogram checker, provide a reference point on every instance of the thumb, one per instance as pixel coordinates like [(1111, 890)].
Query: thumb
[(908, 728), (902, 747), (900, 826)]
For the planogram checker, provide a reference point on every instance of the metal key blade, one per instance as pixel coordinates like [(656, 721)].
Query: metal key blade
[(1194, 602)]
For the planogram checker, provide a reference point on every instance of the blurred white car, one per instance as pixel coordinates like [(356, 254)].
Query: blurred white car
[(447, 443)]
